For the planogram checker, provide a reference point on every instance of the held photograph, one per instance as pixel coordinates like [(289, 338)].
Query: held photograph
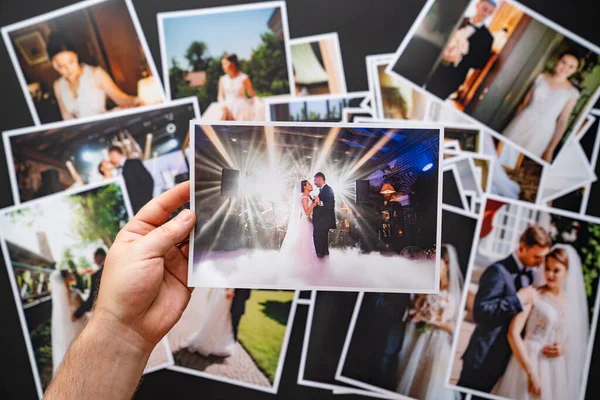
[(145, 146), (506, 67), (230, 58), (314, 205), (82, 61), (54, 249), (236, 336), (528, 313)]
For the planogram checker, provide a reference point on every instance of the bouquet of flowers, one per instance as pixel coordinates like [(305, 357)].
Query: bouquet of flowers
[(458, 45), (430, 309)]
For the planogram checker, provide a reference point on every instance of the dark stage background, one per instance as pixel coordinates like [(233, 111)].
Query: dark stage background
[(364, 27)]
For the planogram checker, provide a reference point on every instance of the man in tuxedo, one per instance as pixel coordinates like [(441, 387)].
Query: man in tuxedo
[(139, 182), (454, 67), (504, 291), (238, 308), (323, 216), (99, 257)]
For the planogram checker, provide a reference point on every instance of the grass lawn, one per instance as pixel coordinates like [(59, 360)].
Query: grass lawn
[(262, 328)]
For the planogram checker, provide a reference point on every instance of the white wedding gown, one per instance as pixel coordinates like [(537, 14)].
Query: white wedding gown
[(534, 126), (299, 242), (241, 107), (63, 331), (90, 99), (425, 356), (546, 324), (215, 336)]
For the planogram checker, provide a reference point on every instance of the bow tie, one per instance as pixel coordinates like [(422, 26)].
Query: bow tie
[(527, 272)]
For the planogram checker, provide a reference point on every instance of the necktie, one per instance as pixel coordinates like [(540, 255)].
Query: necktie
[(527, 273)]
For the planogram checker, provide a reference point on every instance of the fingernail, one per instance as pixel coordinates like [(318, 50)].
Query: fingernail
[(184, 216)]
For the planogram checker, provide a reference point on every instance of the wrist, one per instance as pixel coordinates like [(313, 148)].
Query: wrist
[(105, 325)]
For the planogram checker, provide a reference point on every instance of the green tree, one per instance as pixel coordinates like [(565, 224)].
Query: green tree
[(176, 78), (99, 214), (267, 67), (196, 56), (207, 94)]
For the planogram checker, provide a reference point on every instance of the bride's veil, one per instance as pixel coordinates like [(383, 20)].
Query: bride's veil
[(291, 235), (61, 319), (454, 275), (577, 317)]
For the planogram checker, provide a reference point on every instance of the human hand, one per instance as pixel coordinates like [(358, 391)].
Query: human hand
[(527, 295), (553, 350), (533, 385), (317, 200), (143, 290)]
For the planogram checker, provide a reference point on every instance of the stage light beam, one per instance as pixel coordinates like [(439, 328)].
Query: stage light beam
[(214, 138)]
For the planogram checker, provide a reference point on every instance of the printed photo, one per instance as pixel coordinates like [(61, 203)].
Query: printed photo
[(326, 108), (83, 61), (399, 343), (505, 66), (524, 329), (473, 171), (230, 58), (318, 66), (54, 250), (298, 206), (353, 115), (515, 175), (146, 147), (454, 194), (237, 336), (469, 139)]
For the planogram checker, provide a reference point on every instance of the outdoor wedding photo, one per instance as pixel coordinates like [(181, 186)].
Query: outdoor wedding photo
[(524, 330), (54, 249), (400, 343), (238, 336), (317, 108), (505, 66), (82, 61), (230, 58), (315, 205), (145, 146)]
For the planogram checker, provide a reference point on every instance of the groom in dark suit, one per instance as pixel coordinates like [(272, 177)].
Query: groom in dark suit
[(139, 182), (504, 291), (452, 69), (87, 305), (323, 216), (238, 308)]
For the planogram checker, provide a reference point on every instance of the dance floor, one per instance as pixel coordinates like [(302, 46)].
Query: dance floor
[(343, 269)]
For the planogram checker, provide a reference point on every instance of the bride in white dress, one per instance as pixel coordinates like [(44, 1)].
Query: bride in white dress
[(215, 336), (234, 87), (82, 90), (426, 351), (63, 329), (548, 363), (298, 244), (543, 116)]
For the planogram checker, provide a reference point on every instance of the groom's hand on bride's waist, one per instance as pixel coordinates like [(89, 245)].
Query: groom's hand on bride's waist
[(553, 350)]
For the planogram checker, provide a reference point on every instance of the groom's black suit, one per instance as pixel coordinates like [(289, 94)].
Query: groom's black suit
[(496, 302), (88, 304), (446, 79), (324, 220), (238, 308)]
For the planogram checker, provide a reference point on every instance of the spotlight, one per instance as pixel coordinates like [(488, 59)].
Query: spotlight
[(427, 167), (172, 143), (87, 156), (171, 128)]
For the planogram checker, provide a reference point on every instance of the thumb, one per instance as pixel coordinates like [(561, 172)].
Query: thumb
[(160, 240)]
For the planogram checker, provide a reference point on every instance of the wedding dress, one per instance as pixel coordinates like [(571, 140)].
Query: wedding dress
[(298, 243), (241, 107), (534, 126), (90, 99), (215, 336), (560, 377), (425, 355), (63, 330)]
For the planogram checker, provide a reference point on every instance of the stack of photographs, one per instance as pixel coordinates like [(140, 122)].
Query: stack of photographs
[(437, 229)]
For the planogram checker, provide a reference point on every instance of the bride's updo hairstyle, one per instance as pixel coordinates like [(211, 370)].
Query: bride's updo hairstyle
[(302, 185), (573, 53), (57, 43), (232, 58), (560, 255)]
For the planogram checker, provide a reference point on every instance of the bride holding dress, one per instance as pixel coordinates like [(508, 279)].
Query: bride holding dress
[(543, 116), (236, 95)]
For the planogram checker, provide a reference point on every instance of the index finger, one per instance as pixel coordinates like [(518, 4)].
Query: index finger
[(159, 209)]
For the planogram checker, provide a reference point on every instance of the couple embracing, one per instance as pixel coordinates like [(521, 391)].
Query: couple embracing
[(311, 218), (532, 323)]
